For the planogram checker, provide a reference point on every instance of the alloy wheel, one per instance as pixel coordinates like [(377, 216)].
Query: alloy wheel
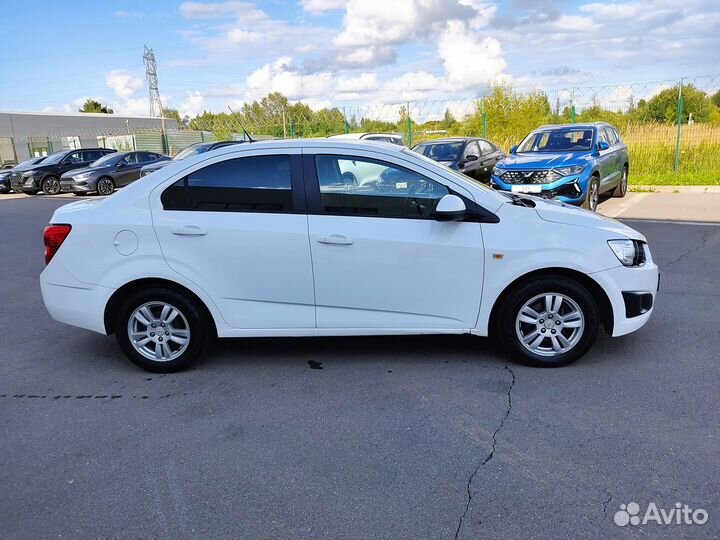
[(158, 331), (550, 324), (51, 186), (105, 186), (594, 196)]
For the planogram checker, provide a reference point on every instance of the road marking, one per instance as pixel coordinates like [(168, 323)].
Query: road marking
[(625, 205)]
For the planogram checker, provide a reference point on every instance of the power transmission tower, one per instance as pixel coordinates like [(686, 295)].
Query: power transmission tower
[(156, 108)]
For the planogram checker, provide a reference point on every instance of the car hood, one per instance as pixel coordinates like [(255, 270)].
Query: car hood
[(545, 159), (558, 212), (78, 172), (158, 165)]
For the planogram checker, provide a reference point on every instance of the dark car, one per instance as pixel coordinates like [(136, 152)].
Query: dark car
[(46, 175), (108, 172), (470, 155), (192, 150), (19, 168)]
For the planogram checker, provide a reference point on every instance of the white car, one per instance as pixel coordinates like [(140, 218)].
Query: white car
[(393, 138), (269, 239)]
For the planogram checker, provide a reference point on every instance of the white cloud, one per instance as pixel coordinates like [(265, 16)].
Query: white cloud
[(321, 6), (469, 60), (383, 22), (363, 83), (193, 105), (122, 83)]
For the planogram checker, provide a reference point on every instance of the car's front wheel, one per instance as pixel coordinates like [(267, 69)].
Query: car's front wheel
[(161, 330), (105, 186), (51, 185), (549, 322)]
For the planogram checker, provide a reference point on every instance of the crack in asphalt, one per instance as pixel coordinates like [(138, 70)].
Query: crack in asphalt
[(490, 455), (606, 502), (700, 247)]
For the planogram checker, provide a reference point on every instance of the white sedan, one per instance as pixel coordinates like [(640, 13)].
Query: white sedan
[(271, 239)]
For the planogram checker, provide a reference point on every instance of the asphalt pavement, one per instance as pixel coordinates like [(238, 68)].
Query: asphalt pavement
[(345, 438)]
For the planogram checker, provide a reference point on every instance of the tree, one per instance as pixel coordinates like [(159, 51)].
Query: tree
[(663, 107), (93, 106), (716, 98), (174, 114)]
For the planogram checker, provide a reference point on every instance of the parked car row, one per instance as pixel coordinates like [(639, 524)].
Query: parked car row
[(573, 163), (90, 170)]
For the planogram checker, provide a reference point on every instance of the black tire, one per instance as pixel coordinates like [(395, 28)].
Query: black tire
[(592, 197), (621, 189), (50, 185), (28, 192), (105, 185), (506, 324), (193, 315)]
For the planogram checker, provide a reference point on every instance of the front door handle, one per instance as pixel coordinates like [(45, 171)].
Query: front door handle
[(336, 239), (190, 230)]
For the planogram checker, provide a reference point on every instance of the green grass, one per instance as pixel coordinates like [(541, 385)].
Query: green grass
[(670, 179)]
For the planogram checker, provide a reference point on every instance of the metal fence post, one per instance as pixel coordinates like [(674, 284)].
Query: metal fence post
[(409, 126), (484, 118), (679, 128), (572, 106), (346, 126)]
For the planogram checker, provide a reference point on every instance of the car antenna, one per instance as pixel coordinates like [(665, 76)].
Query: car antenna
[(245, 133)]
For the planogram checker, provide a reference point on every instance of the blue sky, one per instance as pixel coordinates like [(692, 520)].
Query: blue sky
[(214, 54)]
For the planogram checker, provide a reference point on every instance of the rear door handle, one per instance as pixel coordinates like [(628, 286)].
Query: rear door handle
[(190, 230), (336, 239)]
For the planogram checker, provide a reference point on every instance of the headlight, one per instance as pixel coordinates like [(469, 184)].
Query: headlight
[(567, 171), (628, 252), (82, 176), (498, 171), (28, 174)]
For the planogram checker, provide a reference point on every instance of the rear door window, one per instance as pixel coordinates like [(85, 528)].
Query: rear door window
[(250, 184)]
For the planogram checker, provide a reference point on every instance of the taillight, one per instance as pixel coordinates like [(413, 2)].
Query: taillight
[(53, 237)]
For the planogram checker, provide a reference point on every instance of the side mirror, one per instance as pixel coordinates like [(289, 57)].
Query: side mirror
[(470, 157), (513, 149), (120, 165), (450, 208), (602, 145)]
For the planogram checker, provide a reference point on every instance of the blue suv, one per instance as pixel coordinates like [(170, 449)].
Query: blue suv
[(574, 163)]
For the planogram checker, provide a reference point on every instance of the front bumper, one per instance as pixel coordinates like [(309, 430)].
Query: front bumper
[(569, 189), (72, 186), (25, 184), (632, 293)]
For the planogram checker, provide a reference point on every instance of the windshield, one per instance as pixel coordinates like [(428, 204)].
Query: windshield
[(54, 158), (558, 140), (447, 170), (192, 150), (440, 151), (110, 159), (31, 161)]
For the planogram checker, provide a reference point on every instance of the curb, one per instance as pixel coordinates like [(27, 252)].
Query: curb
[(675, 189)]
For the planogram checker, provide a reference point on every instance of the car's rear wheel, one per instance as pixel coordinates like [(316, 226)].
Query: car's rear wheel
[(592, 198), (549, 322), (621, 188), (105, 185), (51, 185), (161, 330)]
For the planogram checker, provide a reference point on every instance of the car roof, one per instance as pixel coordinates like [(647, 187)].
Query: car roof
[(361, 135), (586, 125), (451, 139)]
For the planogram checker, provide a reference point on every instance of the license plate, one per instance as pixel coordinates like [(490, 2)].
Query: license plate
[(526, 189)]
